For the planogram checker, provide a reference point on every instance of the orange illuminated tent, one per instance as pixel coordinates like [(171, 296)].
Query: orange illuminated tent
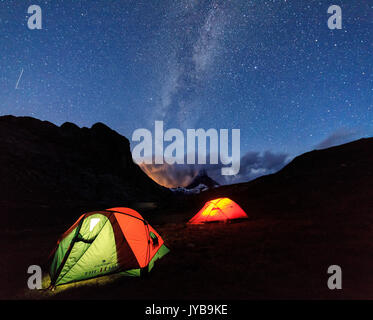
[(219, 210)]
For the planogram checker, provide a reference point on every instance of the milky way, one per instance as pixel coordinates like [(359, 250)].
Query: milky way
[(272, 69)]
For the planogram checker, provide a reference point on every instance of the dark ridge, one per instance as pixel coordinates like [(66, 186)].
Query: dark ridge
[(202, 178), (51, 168), (337, 180)]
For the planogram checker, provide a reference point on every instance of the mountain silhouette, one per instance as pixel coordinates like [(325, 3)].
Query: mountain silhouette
[(46, 166), (202, 179), (337, 180), (314, 213)]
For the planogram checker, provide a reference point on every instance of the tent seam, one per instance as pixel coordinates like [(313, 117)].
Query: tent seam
[(83, 252)]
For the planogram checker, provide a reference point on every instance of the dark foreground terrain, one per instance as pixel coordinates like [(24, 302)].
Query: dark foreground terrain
[(258, 259), (315, 212)]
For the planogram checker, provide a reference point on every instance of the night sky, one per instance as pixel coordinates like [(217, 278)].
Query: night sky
[(272, 69)]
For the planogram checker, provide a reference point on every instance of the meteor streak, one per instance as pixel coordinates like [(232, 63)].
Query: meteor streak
[(19, 78)]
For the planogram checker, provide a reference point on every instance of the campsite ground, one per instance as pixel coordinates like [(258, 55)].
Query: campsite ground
[(266, 258)]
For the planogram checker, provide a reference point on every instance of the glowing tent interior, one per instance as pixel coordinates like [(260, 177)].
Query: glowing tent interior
[(116, 240), (219, 210)]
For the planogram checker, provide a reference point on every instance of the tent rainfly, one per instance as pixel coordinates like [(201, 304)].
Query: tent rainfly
[(219, 210), (117, 240)]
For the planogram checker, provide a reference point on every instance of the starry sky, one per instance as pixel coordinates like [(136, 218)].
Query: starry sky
[(272, 69)]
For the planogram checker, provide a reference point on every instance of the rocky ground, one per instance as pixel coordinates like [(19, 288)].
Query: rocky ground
[(256, 259)]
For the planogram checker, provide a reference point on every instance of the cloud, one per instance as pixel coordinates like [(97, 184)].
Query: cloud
[(338, 137), (253, 165), (170, 176)]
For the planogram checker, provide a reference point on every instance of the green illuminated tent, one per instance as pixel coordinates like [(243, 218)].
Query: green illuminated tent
[(104, 242)]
